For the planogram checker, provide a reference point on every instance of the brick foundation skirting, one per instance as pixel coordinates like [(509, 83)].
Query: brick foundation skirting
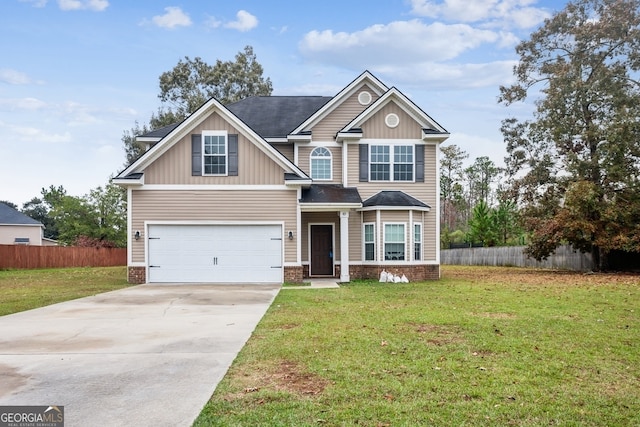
[(293, 274), (137, 275), (415, 273)]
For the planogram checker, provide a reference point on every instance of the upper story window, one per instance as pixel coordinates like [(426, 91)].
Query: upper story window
[(391, 163), (321, 164), (214, 153)]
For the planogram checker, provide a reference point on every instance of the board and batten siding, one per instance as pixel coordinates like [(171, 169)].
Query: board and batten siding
[(254, 166), (304, 162), (337, 119), (214, 206), (426, 192), (376, 127)]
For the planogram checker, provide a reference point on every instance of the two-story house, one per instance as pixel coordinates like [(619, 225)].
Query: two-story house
[(282, 188)]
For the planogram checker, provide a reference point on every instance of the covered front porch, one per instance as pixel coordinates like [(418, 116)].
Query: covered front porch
[(326, 219)]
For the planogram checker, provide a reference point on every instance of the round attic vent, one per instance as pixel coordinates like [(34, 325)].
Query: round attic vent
[(392, 120), (364, 98)]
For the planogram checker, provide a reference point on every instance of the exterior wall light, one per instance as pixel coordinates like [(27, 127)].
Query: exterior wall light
[(137, 235), (290, 235)]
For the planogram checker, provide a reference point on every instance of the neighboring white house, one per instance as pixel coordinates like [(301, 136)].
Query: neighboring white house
[(17, 228)]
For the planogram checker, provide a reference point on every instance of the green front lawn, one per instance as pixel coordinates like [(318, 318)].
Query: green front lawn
[(482, 346), (26, 289)]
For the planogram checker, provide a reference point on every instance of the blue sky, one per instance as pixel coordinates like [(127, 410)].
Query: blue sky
[(75, 74)]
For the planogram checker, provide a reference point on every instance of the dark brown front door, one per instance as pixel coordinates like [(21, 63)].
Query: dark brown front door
[(321, 250)]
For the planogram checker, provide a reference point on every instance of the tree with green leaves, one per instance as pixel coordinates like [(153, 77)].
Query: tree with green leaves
[(451, 191), (482, 226), (191, 83), (481, 176), (576, 164)]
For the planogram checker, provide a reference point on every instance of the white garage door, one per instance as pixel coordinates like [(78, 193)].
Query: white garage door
[(224, 254)]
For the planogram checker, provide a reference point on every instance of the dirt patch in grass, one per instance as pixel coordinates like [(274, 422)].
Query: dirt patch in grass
[(532, 276), (438, 335), (287, 376)]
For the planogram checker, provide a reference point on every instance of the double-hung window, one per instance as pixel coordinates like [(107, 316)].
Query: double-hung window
[(321, 164), (370, 242), (394, 242), (214, 153), (391, 163), (417, 242)]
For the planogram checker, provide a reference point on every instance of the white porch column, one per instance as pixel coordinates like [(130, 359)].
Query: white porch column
[(344, 247)]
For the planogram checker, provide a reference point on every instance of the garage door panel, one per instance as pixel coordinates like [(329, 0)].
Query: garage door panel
[(215, 253)]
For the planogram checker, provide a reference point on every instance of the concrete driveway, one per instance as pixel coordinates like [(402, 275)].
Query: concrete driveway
[(147, 355)]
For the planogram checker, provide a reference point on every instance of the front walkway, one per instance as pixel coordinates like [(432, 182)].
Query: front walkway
[(316, 284)]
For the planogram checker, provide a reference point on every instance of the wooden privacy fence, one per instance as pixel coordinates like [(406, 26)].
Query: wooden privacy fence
[(564, 258), (18, 256)]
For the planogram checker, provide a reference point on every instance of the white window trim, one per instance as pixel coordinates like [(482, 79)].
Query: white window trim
[(414, 241), (384, 242), (391, 161), (226, 150), (364, 242), (311, 157)]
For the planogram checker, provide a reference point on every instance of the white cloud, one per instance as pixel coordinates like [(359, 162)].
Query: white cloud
[(174, 17), (406, 42), (212, 22), (95, 5), (36, 3), (13, 77), (505, 12), (27, 104), (431, 75), (245, 22), (30, 134)]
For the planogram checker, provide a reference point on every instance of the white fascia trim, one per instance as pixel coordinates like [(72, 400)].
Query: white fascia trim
[(276, 140), (298, 138), (24, 225), (147, 139), (129, 182), (327, 207), (323, 144), (405, 103), (349, 136), (435, 137), (394, 208), (376, 85), (195, 187), (211, 222)]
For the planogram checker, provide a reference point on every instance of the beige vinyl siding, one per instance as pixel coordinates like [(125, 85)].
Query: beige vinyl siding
[(174, 167), (376, 128), (8, 234), (423, 191), (304, 162), (205, 205), (337, 119), (355, 237), (286, 150)]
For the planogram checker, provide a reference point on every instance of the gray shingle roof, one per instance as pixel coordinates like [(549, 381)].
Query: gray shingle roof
[(268, 116), (330, 193), (276, 116), (393, 198), (8, 215)]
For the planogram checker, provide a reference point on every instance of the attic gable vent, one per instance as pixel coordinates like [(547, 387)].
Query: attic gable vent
[(364, 98), (392, 120)]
